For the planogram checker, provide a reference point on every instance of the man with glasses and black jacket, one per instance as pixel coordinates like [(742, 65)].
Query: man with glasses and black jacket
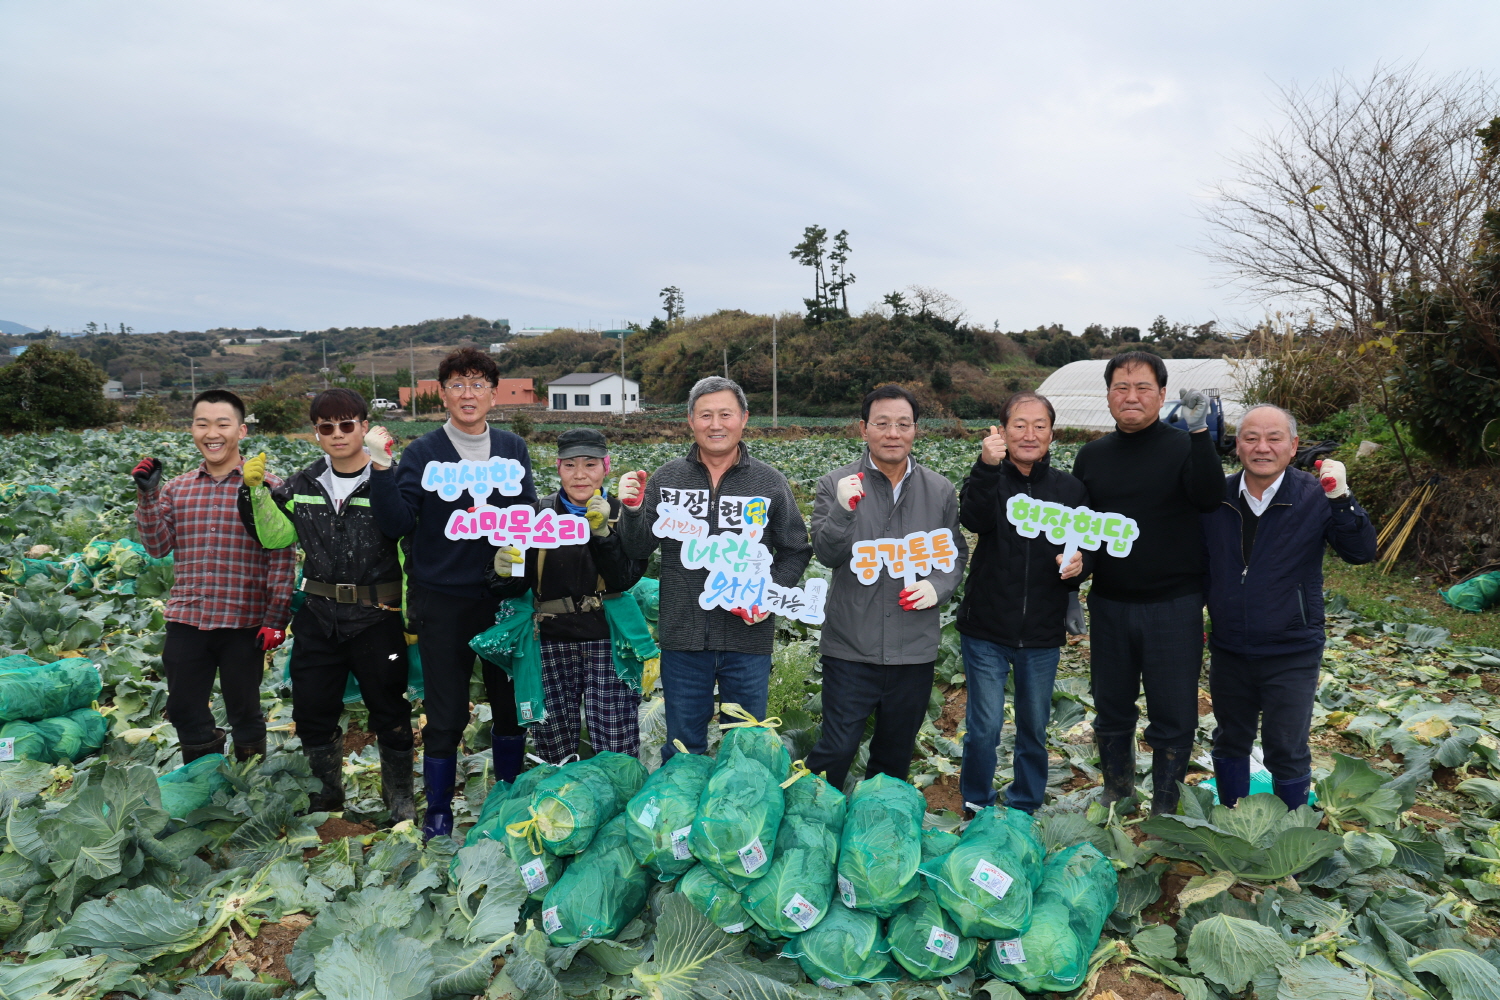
[(350, 621), (448, 601)]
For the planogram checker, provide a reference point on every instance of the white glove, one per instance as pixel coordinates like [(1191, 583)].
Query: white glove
[(919, 597), (851, 490), (632, 487), (1194, 409), (507, 557), (992, 451), (1334, 478), (379, 441)]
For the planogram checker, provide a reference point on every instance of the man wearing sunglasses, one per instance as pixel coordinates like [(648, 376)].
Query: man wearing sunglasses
[(350, 620), (448, 601)]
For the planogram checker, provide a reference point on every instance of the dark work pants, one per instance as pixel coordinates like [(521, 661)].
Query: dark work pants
[(1158, 645), (444, 626), (896, 693), (321, 665), (1272, 693), (192, 657)]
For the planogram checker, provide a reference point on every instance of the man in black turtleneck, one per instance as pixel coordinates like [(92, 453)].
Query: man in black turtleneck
[(1146, 609)]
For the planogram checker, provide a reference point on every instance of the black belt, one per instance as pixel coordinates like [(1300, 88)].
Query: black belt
[(348, 593), (573, 606)]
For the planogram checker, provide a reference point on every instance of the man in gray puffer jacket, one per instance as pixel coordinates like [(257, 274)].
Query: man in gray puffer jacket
[(880, 638)]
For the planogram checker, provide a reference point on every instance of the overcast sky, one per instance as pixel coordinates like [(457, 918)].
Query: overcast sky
[(296, 165)]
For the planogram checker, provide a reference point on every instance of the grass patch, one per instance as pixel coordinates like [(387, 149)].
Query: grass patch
[(1403, 597), (793, 677)]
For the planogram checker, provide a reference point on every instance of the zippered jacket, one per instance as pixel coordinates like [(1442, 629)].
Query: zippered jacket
[(1015, 596), (1274, 603), (865, 622), (683, 624), (338, 545)]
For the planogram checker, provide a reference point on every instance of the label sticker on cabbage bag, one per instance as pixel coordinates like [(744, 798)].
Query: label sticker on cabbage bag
[(800, 912), (534, 874), (829, 984), (551, 923), (1009, 952), (991, 879), (752, 856), (7, 748), (648, 815), (733, 928), (942, 943), (680, 850), (846, 892)]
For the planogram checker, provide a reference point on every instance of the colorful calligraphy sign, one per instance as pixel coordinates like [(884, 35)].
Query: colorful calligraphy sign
[(518, 525), (1073, 528), (449, 479), (918, 554)]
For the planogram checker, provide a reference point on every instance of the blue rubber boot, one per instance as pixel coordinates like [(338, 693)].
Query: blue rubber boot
[(1294, 792), (510, 755), (437, 779), (1232, 778)]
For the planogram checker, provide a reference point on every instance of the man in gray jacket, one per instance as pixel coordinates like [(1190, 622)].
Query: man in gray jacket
[(716, 482), (880, 639)]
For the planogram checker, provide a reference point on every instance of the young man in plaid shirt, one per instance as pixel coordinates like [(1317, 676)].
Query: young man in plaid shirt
[(231, 599)]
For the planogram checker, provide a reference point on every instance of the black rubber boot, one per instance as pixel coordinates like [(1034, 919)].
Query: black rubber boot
[(327, 763), (216, 745), (1294, 792), (1168, 767), (396, 783), (509, 753), (1117, 763), (244, 751)]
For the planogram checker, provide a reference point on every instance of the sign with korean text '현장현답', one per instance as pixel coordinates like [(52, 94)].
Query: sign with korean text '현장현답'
[(1073, 528)]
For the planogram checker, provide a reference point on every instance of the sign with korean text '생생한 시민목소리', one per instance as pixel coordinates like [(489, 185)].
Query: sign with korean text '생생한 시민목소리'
[(738, 563), (917, 554), (1073, 528), (517, 525)]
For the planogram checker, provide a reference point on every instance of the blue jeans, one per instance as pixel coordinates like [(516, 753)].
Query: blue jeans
[(687, 680), (986, 665)]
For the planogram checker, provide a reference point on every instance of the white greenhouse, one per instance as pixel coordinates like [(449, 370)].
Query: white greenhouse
[(1078, 393)]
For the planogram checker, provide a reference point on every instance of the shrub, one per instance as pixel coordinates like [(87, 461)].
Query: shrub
[(520, 424), (280, 407), (46, 388)]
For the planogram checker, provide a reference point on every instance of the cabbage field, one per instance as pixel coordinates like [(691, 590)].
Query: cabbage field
[(1390, 888)]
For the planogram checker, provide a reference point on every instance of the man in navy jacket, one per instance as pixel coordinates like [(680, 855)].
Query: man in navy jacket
[(1264, 583)]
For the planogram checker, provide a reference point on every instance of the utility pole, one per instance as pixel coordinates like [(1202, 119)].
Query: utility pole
[(774, 400), (192, 377), (324, 369), (726, 362), (412, 370), (622, 369), (374, 388)]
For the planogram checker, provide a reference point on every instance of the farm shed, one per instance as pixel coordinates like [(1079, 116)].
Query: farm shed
[(1078, 393)]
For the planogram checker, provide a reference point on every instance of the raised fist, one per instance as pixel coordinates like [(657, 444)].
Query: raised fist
[(632, 488), (380, 444), (147, 474), (597, 513), (254, 471), (851, 490), (1333, 477), (1194, 409)]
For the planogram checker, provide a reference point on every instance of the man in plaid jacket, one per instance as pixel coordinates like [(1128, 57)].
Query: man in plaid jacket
[(230, 599)]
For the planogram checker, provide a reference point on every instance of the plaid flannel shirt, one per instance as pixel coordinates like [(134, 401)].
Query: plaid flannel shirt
[(224, 579)]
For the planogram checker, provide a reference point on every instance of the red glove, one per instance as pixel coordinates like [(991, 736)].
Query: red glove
[(633, 488), (147, 474), (753, 616), (269, 638)]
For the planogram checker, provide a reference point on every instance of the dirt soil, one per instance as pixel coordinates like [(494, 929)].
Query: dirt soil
[(955, 704), (944, 794), (337, 829), (266, 953), (356, 740), (1116, 980)]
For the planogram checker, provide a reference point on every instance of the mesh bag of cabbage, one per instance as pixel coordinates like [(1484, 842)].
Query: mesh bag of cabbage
[(538, 868), (95, 729), (662, 812), (43, 692), (28, 743), (1078, 892), (572, 804), (843, 948), (739, 814), (191, 786), (881, 845), (811, 797), (756, 739), (797, 889), (715, 900), (986, 882), (64, 738), (925, 940), (602, 890), (1084, 881)]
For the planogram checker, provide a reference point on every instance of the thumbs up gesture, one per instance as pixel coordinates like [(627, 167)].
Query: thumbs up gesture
[(992, 452)]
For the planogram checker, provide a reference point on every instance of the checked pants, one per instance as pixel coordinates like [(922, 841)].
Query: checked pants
[(584, 672)]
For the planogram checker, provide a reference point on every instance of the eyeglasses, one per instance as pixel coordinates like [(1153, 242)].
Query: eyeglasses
[(459, 387), (343, 426), (901, 426)]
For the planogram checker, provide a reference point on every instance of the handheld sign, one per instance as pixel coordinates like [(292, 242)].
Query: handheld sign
[(449, 479), (737, 562), (918, 554), (518, 525), (1073, 528)]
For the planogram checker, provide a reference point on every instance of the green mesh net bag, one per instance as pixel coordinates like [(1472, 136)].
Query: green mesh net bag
[(925, 940), (1478, 594), (986, 882), (95, 729), (661, 815), (27, 742), (191, 786), (812, 798), (47, 691), (601, 891), (798, 887), (64, 738), (756, 739), (936, 843), (844, 948), (739, 815), (509, 804), (572, 804), (1047, 957), (718, 902), (1083, 880), (881, 845)]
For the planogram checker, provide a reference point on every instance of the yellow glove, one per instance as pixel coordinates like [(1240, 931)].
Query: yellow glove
[(650, 674), (254, 470), (506, 558), (597, 513)]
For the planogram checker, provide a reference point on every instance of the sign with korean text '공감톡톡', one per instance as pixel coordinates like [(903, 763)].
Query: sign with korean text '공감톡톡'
[(738, 563), (1073, 528), (918, 554)]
